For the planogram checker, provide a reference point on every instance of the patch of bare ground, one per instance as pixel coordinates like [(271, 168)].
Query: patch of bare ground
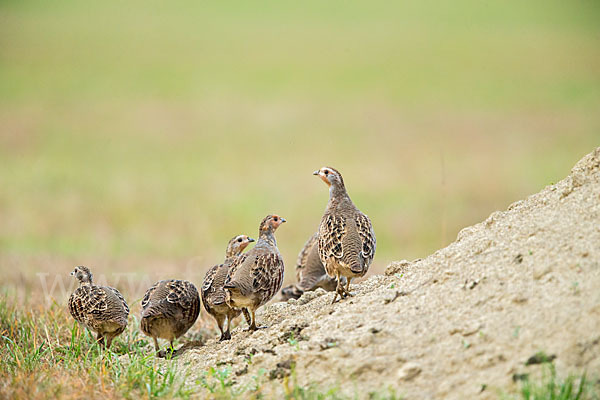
[(464, 322)]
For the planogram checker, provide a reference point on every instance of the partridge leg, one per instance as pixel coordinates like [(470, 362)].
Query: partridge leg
[(253, 326), (221, 322), (100, 340), (227, 334), (339, 289), (169, 352), (156, 344), (109, 340), (247, 316), (347, 290)]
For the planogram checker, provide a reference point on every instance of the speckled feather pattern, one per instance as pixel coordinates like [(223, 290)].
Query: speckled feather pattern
[(267, 275), (261, 273), (235, 265), (94, 305), (311, 273), (176, 301), (331, 232), (367, 235), (213, 292)]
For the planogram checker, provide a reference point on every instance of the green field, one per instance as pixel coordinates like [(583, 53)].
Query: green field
[(138, 137)]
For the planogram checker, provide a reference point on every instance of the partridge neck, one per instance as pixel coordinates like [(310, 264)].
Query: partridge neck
[(338, 193), (267, 237)]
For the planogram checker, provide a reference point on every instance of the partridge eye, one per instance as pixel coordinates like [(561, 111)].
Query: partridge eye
[(239, 239), (275, 219), (326, 172)]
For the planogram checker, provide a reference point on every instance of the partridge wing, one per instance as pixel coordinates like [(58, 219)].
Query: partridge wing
[(331, 232), (367, 236)]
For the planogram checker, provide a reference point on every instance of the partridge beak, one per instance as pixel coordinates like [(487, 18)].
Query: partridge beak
[(282, 220), (316, 173), (72, 273), (250, 239)]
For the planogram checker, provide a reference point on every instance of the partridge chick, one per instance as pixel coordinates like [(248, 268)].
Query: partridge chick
[(213, 291), (169, 309), (255, 276), (310, 272), (346, 237), (100, 308)]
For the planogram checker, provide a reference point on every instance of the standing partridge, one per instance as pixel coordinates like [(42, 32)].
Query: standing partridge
[(255, 276), (346, 237), (310, 272), (100, 308), (213, 291), (169, 309)]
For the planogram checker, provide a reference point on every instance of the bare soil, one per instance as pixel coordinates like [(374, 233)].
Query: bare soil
[(461, 323)]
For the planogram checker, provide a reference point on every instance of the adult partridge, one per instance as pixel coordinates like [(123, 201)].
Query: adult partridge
[(101, 309), (255, 276), (346, 237), (213, 291), (169, 309), (310, 272)]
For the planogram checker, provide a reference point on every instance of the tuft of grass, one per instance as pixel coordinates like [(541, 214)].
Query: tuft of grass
[(551, 387)]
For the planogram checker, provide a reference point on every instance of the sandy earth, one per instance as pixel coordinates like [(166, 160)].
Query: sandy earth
[(461, 323)]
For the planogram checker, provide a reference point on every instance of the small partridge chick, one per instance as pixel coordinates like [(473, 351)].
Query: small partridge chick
[(100, 308), (213, 291), (310, 272), (346, 237), (255, 276), (169, 309)]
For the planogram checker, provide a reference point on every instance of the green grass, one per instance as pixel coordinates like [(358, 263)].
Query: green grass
[(47, 355), (551, 387)]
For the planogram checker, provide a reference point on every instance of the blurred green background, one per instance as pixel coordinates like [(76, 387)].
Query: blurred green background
[(140, 136)]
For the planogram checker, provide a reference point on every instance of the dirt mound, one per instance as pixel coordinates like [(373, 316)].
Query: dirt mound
[(461, 323)]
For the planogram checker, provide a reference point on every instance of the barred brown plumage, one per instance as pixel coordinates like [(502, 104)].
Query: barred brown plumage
[(213, 291), (101, 309), (255, 276), (310, 272), (169, 309), (346, 238)]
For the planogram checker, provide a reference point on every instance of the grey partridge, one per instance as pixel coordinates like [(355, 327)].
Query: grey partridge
[(255, 276), (310, 272), (101, 309), (213, 291), (346, 237), (169, 309)]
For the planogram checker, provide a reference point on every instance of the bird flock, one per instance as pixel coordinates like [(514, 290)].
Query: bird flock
[(342, 249)]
